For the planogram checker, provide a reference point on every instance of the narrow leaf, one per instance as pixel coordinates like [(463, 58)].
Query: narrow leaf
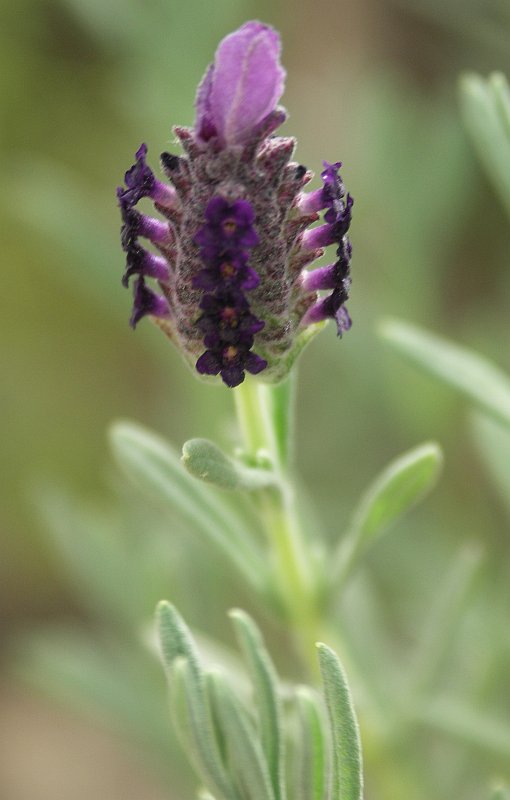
[(347, 781), (175, 637), (189, 697), (245, 758), (468, 725), (485, 106), (312, 747), (267, 700), (193, 723), (446, 609), (399, 487), (152, 464), (204, 460), (493, 442), (475, 377)]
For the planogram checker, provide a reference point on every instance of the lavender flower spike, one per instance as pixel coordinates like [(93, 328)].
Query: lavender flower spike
[(233, 233)]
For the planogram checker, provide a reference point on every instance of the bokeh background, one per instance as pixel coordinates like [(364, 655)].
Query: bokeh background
[(83, 82)]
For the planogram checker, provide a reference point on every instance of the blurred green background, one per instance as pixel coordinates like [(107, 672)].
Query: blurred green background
[(373, 83)]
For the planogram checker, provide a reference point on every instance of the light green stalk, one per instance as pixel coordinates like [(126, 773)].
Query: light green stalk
[(265, 415)]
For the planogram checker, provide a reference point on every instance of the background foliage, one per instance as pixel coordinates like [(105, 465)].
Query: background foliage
[(375, 84)]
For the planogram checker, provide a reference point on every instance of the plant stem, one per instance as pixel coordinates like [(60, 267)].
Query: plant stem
[(265, 417), (251, 422)]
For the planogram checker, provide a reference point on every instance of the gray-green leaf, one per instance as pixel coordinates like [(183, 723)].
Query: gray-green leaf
[(311, 761), (468, 725), (267, 700), (195, 727), (402, 484), (246, 762), (447, 607), (189, 698), (347, 783), (204, 460), (154, 465), (493, 442), (475, 377), (486, 109)]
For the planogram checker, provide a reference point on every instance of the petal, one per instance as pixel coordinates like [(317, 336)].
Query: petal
[(242, 211), (232, 376), (320, 278), (206, 279), (147, 302), (208, 364), (343, 320), (144, 263), (204, 124), (247, 81), (250, 279), (217, 209), (255, 363)]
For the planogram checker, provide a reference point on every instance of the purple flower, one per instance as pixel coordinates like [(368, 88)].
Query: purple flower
[(234, 231), (229, 268), (141, 182), (242, 87), (230, 361), (228, 227), (146, 302)]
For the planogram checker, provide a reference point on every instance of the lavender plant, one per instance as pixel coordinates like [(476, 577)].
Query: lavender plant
[(233, 248), (222, 268), (236, 297)]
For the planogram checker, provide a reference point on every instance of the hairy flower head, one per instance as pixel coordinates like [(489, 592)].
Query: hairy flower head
[(233, 235)]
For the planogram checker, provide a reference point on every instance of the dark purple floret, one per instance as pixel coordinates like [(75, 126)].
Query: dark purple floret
[(227, 315), (141, 262), (141, 182), (335, 276), (329, 277), (147, 302), (230, 269), (136, 224), (333, 189), (139, 179), (227, 322), (229, 226), (231, 362), (331, 307)]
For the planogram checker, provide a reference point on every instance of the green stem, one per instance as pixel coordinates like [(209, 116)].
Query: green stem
[(251, 422), (265, 418)]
